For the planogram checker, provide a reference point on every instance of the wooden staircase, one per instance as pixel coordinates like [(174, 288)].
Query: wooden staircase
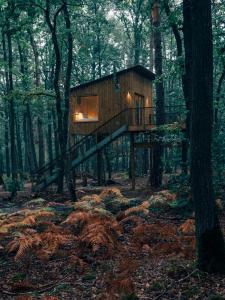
[(128, 120)]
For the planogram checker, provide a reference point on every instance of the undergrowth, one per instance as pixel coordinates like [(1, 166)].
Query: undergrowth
[(101, 228)]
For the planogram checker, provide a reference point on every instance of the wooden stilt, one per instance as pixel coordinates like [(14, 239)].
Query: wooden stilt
[(132, 161), (99, 163)]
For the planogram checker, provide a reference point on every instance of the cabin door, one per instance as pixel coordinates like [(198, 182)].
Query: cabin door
[(139, 101)]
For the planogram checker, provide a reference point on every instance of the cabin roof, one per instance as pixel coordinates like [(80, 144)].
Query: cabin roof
[(137, 68)]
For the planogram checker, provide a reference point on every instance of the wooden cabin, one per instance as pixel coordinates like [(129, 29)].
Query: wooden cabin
[(103, 110), (94, 103)]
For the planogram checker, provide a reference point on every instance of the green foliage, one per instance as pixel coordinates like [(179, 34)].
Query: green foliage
[(180, 203), (10, 184), (180, 184)]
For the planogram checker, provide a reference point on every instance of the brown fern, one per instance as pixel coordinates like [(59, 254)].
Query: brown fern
[(142, 208), (77, 218), (98, 235), (23, 244), (44, 215), (188, 227), (110, 193), (28, 221), (50, 243)]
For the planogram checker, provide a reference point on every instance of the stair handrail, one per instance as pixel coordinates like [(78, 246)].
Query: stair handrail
[(73, 147), (50, 164)]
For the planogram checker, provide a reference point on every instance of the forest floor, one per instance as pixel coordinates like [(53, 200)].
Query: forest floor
[(112, 244)]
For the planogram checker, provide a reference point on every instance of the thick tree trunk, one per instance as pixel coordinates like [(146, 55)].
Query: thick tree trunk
[(157, 168), (210, 244)]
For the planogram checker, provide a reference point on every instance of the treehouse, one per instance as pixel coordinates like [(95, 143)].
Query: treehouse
[(125, 96), (102, 111)]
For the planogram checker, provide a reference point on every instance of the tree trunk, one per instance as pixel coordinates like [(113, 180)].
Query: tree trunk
[(68, 172), (58, 63), (30, 138), (28, 127), (19, 145), (187, 77), (12, 118), (185, 81), (41, 144), (157, 169), (210, 243), (49, 137), (218, 94), (6, 133)]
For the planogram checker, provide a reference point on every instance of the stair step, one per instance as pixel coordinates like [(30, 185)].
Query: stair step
[(75, 163)]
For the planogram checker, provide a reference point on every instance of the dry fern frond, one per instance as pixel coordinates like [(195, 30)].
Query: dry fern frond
[(113, 200), (142, 208), (90, 203), (97, 236), (162, 199), (128, 223), (50, 243), (101, 233), (94, 197), (77, 217), (13, 225), (23, 244), (188, 227), (28, 221), (44, 215), (110, 193), (168, 195)]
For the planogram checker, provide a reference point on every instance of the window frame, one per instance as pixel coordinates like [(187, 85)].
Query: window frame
[(79, 99)]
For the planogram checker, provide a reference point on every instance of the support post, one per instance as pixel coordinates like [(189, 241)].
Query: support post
[(132, 161), (99, 162)]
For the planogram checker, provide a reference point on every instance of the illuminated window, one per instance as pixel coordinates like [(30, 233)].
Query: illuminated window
[(86, 109)]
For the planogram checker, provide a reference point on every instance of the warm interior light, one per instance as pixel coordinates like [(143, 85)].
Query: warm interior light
[(79, 116), (129, 98), (86, 109)]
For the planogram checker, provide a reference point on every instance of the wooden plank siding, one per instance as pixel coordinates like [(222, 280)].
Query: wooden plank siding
[(111, 102)]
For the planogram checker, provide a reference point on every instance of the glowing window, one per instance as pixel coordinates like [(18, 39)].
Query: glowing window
[(86, 109)]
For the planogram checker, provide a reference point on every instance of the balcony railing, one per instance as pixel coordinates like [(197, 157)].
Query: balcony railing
[(144, 117)]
